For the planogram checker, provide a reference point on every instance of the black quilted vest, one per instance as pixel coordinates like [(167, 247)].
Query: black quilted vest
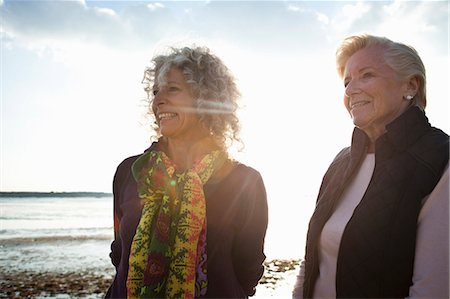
[(376, 254)]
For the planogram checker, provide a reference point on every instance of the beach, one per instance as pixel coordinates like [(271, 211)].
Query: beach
[(59, 248), (53, 285), (277, 282), (59, 267)]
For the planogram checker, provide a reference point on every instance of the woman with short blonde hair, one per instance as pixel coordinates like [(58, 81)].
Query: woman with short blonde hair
[(381, 224)]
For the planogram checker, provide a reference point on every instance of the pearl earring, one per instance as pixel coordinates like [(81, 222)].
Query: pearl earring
[(409, 97)]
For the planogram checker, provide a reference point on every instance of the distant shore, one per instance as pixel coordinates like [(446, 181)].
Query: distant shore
[(55, 194)]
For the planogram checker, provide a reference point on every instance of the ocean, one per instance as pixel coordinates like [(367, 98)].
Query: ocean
[(73, 235), (56, 234)]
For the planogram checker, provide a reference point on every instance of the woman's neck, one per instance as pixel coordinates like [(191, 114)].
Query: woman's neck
[(371, 147), (185, 152)]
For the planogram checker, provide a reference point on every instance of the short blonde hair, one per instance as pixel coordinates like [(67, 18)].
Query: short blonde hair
[(212, 84), (403, 59)]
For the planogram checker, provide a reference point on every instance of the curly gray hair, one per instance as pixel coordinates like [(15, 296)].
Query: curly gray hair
[(212, 84)]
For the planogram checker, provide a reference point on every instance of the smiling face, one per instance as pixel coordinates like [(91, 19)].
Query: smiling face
[(174, 107), (374, 95)]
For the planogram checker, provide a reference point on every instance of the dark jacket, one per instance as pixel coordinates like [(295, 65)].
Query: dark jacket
[(376, 253), (236, 213)]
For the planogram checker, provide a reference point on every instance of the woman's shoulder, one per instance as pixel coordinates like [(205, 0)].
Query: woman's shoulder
[(342, 154), (432, 150), (123, 172), (434, 138), (242, 170), (235, 171), (247, 183), (126, 163)]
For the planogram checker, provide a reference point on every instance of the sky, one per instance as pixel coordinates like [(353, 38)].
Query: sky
[(73, 105)]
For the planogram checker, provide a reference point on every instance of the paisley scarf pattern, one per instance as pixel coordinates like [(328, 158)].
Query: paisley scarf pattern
[(168, 252)]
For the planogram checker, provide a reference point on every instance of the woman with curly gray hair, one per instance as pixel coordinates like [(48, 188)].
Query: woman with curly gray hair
[(189, 221)]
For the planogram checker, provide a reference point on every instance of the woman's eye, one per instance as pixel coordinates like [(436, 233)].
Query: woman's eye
[(172, 88), (367, 75)]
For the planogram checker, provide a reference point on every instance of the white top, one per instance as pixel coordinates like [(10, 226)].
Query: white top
[(331, 235), (431, 263)]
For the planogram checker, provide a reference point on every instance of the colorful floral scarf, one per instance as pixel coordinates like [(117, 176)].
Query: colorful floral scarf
[(168, 253)]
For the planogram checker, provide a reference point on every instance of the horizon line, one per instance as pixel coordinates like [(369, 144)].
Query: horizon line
[(53, 193)]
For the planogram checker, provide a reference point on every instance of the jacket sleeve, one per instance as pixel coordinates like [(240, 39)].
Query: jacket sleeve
[(122, 174), (248, 251), (431, 263)]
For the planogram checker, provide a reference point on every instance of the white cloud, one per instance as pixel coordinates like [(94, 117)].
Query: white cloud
[(294, 8), (355, 11), (36, 26), (155, 6), (401, 15), (105, 11), (409, 22), (6, 38), (422, 25), (322, 18), (350, 14)]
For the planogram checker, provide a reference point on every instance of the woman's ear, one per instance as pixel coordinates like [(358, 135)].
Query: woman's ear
[(412, 86)]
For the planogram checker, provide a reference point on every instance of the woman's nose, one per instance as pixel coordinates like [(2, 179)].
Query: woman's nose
[(351, 88), (159, 97)]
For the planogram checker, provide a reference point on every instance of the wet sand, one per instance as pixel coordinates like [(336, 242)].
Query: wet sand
[(88, 284), (32, 285)]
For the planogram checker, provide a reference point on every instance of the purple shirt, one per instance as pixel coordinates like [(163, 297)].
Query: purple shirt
[(236, 213)]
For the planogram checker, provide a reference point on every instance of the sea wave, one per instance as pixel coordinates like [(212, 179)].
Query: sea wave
[(50, 235), (30, 218), (51, 239)]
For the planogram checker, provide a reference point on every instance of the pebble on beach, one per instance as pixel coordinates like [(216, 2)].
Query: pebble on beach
[(15, 284), (31, 285)]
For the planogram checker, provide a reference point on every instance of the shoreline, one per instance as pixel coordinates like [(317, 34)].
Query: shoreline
[(29, 284), (52, 194)]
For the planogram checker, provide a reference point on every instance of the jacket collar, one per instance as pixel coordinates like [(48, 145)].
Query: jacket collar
[(400, 134)]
